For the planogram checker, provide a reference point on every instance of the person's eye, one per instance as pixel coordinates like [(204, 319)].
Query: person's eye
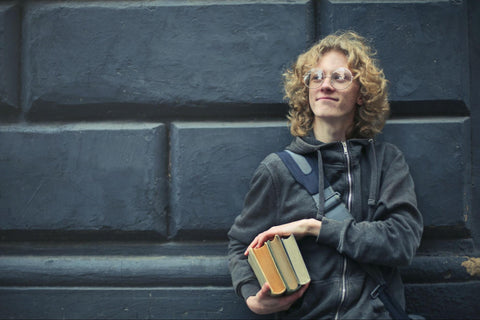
[(316, 77), (340, 77)]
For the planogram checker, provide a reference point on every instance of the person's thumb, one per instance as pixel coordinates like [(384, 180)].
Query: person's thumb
[(265, 289)]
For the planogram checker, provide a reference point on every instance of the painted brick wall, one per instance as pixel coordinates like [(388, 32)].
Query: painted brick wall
[(129, 131)]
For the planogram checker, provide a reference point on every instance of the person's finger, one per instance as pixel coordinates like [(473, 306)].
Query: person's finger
[(248, 249), (254, 241), (251, 245), (303, 289), (259, 241), (290, 299), (265, 291), (264, 237)]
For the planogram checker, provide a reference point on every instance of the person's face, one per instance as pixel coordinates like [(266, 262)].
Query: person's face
[(330, 103)]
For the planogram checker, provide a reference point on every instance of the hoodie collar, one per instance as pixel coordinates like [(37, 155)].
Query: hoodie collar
[(308, 144)]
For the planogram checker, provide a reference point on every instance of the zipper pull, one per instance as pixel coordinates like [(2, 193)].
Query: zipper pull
[(345, 149)]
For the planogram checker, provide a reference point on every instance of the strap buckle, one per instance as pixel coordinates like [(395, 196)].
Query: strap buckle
[(376, 292)]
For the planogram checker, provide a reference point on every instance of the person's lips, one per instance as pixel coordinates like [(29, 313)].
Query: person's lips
[(327, 98)]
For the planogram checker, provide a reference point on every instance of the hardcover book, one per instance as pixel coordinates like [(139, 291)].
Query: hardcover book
[(280, 263)]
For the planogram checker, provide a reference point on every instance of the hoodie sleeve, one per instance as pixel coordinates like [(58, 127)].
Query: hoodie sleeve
[(259, 213), (394, 235)]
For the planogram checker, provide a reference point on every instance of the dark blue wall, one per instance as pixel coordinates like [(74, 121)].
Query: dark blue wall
[(129, 131)]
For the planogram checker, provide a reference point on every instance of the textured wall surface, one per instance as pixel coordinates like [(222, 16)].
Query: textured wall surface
[(129, 131)]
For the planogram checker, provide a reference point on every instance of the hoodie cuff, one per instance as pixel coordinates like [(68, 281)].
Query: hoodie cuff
[(331, 232), (249, 289)]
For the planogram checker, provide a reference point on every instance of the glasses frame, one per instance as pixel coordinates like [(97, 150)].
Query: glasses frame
[(332, 83)]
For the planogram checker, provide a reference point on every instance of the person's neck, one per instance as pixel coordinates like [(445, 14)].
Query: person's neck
[(327, 132)]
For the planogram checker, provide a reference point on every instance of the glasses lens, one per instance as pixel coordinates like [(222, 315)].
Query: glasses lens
[(341, 78), (314, 78)]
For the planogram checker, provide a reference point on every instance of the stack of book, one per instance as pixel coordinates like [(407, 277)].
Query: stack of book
[(280, 263)]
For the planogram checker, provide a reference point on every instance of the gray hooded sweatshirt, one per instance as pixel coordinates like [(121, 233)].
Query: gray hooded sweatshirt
[(374, 181)]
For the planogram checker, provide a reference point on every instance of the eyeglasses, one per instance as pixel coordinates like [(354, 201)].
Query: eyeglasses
[(339, 79)]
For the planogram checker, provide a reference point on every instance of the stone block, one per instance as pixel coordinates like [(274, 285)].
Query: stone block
[(212, 164), (9, 58), (436, 269), (474, 55), (102, 177), (438, 153), (123, 303), (157, 54), (107, 264), (422, 45), (444, 300), (431, 300)]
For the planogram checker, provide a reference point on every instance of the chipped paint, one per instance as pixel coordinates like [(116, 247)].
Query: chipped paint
[(472, 265)]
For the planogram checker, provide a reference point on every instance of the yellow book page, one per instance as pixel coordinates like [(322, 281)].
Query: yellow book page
[(265, 261)]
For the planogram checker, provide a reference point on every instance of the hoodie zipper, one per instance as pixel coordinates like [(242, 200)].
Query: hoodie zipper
[(349, 205), (349, 176)]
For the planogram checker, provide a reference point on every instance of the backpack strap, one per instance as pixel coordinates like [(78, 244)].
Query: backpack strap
[(305, 171)]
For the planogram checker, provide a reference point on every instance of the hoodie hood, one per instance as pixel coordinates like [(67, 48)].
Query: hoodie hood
[(305, 145)]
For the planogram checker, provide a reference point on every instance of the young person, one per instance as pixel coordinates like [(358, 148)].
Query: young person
[(338, 103)]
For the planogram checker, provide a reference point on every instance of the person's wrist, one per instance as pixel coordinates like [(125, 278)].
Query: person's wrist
[(313, 227)]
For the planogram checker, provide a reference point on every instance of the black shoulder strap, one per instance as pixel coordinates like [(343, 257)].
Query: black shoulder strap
[(303, 168)]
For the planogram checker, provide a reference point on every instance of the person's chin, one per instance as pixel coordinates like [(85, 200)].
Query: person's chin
[(325, 111)]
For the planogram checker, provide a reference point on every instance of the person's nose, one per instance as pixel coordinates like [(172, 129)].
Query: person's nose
[(327, 84)]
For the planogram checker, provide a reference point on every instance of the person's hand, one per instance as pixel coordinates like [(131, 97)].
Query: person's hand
[(299, 228), (264, 303)]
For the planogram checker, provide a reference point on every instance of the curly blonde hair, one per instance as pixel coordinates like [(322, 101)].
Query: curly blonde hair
[(371, 116)]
